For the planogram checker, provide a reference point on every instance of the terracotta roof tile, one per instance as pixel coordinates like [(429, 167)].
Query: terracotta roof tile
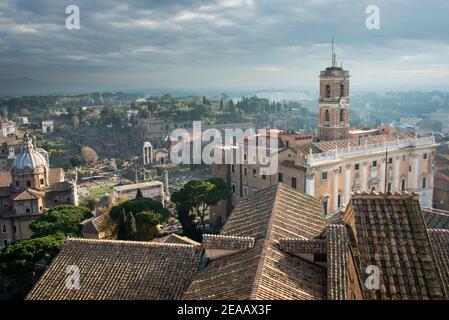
[(119, 270), (295, 245), (265, 271), (440, 244), (436, 219), (337, 261), (29, 194), (211, 241), (391, 234), (174, 238)]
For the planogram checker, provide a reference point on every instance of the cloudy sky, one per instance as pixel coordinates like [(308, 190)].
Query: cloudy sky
[(225, 43)]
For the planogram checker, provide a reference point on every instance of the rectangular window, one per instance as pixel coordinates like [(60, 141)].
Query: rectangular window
[(293, 182), (325, 206), (5, 242), (328, 91), (14, 229), (264, 177), (27, 210), (357, 167), (403, 185), (3, 228), (244, 156), (254, 172), (390, 160), (404, 158), (389, 187), (280, 177), (424, 182), (245, 171), (232, 168), (245, 191), (42, 181), (28, 184), (233, 188), (425, 156), (324, 175), (374, 163), (339, 200)]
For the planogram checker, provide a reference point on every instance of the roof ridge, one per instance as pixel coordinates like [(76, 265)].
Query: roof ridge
[(263, 253), (437, 230), (138, 243)]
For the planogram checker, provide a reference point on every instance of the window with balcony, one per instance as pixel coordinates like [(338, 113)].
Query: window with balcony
[(324, 176)]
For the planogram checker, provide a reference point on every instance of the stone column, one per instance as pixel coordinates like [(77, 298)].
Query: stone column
[(335, 189), (310, 183), (381, 175), (396, 170), (415, 166), (347, 184), (364, 175)]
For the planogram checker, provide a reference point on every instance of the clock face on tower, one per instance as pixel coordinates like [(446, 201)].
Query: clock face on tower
[(342, 102)]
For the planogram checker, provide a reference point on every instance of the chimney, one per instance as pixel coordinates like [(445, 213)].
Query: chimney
[(167, 192)]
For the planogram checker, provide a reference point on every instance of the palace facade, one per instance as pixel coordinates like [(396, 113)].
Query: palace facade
[(338, 161)]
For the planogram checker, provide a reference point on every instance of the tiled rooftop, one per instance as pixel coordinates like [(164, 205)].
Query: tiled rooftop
[(389, 232), (265, 271), (119, 270), (211, 241)]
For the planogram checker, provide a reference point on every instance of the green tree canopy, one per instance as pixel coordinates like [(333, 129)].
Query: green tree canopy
[(137, 218), (199, 195), (21, 256), (126, 226), (65, 219), (146, 223)]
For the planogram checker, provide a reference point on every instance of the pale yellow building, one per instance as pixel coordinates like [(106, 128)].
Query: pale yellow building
[(339, 161)]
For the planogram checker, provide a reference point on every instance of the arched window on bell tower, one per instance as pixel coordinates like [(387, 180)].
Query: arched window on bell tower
[(328, 91), (326, 115), (342, 115), (342, 90)]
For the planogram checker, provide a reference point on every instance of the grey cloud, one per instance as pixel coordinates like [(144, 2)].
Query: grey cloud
[(240, 42)]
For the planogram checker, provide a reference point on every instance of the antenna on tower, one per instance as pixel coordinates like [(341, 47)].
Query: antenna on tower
[(334, 60)]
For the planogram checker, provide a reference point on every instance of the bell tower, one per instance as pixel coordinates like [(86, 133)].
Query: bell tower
[(333, 103)]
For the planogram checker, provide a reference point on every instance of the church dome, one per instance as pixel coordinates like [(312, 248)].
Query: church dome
[(29, 157)]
